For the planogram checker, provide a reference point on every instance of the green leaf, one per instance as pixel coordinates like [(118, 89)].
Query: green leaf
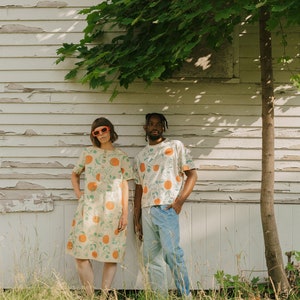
[(72, 74)]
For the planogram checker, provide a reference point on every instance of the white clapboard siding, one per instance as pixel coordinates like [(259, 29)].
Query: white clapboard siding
[(249, 54), (45, 123)]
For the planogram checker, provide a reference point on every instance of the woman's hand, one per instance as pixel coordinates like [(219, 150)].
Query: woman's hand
[(79, 194), (123, 222)]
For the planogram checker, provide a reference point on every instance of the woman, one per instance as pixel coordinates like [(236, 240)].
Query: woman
[(99, 224)]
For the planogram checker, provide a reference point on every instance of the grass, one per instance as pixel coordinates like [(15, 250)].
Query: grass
[(60, 291), (231, 287)]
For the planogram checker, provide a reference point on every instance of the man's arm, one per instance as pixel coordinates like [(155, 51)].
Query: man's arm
[(186, 191), (137, 212)]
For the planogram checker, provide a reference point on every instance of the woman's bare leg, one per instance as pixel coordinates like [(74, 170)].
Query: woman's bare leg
[(86, 275), (109, 272)]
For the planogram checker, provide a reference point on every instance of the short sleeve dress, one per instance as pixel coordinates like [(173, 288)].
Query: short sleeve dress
[(94, 232)]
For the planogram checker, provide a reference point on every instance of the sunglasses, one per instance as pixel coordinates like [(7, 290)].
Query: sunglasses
[(101, 131)]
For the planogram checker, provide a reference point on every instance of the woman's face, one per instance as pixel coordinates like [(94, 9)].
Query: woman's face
[(102, 133)]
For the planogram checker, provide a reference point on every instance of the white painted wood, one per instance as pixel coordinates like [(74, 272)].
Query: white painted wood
[(33, 3)]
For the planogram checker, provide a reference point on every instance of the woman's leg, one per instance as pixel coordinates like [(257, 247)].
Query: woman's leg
[(86, 275), (108, 275)]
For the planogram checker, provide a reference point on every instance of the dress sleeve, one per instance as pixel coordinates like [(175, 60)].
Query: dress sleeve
[(79, 166), (136, 172), (126, 168)]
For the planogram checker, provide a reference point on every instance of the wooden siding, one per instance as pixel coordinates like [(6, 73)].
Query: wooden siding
[(44, 124)]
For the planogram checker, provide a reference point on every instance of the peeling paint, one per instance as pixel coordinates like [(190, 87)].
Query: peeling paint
[(57, 4), (22, 175), (37, 203), (291, 157), (14, 87), (24, 185), (50, 4), (19, 164), (16, 28), (217, 167), (11, 100), (290, 169), (20, 87), (29, 132), (26, 200)]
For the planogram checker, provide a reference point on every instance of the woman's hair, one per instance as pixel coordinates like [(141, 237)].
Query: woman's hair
[(161, 117), (102, 122)]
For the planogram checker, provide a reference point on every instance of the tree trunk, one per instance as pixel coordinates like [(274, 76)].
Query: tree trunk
[(273, 251)]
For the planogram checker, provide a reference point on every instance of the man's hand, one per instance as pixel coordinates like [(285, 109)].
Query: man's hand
[(176, 205), (138, 230)]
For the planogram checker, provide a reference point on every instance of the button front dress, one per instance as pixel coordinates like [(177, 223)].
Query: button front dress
[(94, 232)]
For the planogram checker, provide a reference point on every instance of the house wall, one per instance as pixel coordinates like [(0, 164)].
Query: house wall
[(45, 121)]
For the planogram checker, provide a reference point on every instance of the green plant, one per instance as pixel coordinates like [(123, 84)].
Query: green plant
[(293, 270), (238, 287)]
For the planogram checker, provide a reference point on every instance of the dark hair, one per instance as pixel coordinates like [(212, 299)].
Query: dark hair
[(103, 122), (162, 118)]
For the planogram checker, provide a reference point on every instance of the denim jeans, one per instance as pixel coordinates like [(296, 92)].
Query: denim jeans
[(161, 245)]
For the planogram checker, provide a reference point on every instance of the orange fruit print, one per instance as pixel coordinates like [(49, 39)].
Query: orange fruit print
[(115, 254), (157, 201), (178, 178), (92, 186), (114, 162), (105, 239), (169, 151), (110, 205), (82, 238), (168, 184), (142, 167), (88, 159), (155, 168), (70, 245), (96, 219)]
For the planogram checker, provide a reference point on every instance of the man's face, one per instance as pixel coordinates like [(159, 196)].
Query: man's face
[(154, 129)]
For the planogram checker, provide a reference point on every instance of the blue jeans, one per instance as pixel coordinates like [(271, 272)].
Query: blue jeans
[(161, 244)]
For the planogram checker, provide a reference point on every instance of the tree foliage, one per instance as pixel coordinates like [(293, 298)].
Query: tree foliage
[(152, 39)]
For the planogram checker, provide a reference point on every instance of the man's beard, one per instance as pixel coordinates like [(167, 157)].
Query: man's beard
[(154, 137)]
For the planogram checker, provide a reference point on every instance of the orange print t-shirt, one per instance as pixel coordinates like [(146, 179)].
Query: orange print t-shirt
[(160, 169)]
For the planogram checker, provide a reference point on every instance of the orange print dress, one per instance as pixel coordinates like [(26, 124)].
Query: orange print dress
[(94, 232)]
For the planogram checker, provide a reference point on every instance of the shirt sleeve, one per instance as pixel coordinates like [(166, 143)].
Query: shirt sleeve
[(184, 158)]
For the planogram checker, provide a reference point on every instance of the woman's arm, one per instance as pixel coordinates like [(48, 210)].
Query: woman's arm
[(124, 217), (75, 179)]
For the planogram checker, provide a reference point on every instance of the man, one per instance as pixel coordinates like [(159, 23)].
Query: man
[(159, 196)]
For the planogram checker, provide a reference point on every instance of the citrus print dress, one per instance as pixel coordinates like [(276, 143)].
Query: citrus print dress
[(160, 169), (94, 232)]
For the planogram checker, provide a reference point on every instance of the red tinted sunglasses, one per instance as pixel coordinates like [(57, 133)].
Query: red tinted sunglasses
[(100, 131)]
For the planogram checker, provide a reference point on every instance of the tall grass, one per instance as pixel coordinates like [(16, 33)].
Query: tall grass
[(57, 289)]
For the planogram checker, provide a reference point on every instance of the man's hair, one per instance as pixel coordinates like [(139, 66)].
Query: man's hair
[(160, 116), (162, 119)]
